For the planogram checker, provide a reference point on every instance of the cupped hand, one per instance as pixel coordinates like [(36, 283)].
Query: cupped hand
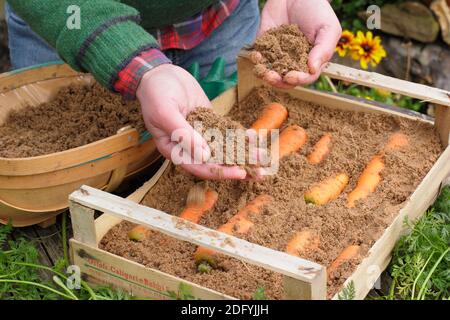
[(317, 20), (167, 95)]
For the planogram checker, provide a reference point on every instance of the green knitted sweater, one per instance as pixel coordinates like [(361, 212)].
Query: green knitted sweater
[(109, 35)]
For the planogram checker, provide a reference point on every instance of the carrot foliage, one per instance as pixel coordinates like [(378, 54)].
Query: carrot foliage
[(22, 277), (421, 263)]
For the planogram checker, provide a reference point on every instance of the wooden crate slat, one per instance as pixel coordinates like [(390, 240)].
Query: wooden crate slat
[(181, 229), (376, 80), (379, 81), (152, 283)]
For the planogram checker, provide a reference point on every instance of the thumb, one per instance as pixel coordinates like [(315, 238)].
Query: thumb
[(324, 46), (187, 140)]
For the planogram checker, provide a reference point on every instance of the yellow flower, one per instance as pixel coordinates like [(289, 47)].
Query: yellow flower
[(344, 42), (367, 49), (384, 93)]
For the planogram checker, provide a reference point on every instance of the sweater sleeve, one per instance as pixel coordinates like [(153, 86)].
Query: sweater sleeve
[(106, 39)]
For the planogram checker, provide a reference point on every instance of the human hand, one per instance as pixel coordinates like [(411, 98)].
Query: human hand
[(167, 95), (317, 20)]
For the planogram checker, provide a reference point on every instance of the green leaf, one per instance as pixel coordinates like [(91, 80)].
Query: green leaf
[(259, 294), (348, 292)]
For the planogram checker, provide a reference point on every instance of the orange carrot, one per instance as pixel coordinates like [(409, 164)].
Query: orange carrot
[(396, 141), (198, 203), (371, 176), (238, 224), (302, 241), (327, 190), (347, 254), (194, 211), (290, 140), (321, 150), (367, 182), (272, 117), (138, 233)]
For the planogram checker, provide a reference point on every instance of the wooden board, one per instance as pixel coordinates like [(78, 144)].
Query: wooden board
[(86, 200), (104, 268)]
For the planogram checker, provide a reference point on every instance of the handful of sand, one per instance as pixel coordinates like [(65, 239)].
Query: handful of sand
[(226, 138), (282, 50)]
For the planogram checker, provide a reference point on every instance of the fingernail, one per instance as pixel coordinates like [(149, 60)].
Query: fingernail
[(316, 66), (206, 154)]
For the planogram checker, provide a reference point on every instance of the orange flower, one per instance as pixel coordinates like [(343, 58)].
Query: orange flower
[(344, 42), (367, 49)]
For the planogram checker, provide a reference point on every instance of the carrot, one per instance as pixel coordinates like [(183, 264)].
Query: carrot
[(347, 254), (272, 117), (138, 233), (238, 224), (290, 140), (396, 141), (367, 182), (371, 175), (302, 241), (194, 211), (199, 201), (321, 150), (327, 190)]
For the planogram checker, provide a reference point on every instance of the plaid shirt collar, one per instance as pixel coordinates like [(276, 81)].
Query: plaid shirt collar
[(185, 35)]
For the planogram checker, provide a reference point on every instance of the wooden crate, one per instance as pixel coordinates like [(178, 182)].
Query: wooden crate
[(34, 190), (302, 279)]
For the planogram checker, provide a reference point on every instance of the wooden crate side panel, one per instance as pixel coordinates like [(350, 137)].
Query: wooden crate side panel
[(223, 103), (440, 97), (105, 268), (443, 123), (379, 256), (181, 229), (375, 80), (379, 81), (345, 104), (314, 96)]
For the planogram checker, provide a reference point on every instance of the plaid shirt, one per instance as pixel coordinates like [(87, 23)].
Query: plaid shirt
[(185, 35)]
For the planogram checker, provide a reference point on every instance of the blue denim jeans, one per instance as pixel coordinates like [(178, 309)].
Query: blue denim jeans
[(27, 48)]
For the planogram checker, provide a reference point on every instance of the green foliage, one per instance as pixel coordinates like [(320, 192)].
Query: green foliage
[(23, 278), (204, 268), (421, 260), (184, 293), (348, 293), (259, 294), (347, 11), (372, 94)]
